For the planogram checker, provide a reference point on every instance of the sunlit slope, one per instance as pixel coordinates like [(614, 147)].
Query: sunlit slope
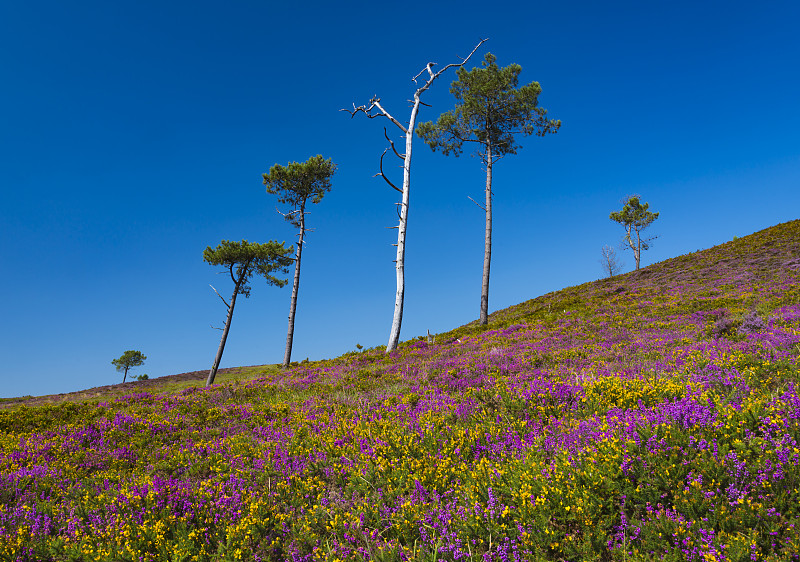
[(758, 269), (157, 385), (649, 416), (615, 323)]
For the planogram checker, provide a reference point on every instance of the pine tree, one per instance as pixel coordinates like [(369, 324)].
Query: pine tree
[(243, 260), (129, 359), (490, 111)]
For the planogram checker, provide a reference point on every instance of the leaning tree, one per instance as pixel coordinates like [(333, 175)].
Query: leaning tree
[(609, 262), (489, 112), (296, 185), (243, 260), (635, 217), (375, 109)]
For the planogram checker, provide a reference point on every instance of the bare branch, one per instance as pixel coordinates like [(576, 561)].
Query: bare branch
[(609, 262), (289, 214), (381, 174), (435, 76), (377, 103), (391, 142), (220, 296), (215, 328), (479, 152), (429, 68), (366, 110), (478, 204)]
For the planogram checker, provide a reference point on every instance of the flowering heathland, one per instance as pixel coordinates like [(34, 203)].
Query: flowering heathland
[(650, 416)]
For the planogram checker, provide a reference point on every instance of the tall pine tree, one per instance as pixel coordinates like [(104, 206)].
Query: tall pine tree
[(490, 111), (297, 184), (635, 217)]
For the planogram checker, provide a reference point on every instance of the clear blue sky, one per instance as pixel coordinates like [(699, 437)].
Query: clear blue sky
[(134, 134)]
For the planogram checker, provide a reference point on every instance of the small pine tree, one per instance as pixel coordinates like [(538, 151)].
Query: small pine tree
[(128, 360), (635, 217)]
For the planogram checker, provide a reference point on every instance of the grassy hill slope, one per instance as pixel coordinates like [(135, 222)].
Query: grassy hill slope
[(648, 416)]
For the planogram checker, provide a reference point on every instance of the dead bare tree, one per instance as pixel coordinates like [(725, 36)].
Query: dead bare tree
[(375, 109), (610, 262)]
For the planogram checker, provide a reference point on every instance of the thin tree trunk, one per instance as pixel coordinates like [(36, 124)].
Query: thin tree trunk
[(213, 372), (394, 336), (125, 375), (287, 357), (637, 246), (487, 249)]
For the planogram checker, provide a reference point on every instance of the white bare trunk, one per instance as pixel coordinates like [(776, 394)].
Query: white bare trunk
[(397, 320)]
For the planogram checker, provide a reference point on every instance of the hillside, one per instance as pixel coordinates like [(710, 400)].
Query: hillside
[(649, 416), (167, 383)]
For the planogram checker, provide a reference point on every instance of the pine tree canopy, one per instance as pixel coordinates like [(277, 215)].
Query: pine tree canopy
[(490, 110), (298, 182), (251, 258), (130, 358), (634, 214)]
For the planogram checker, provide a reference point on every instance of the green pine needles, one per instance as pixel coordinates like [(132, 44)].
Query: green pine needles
[(490, 111)]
